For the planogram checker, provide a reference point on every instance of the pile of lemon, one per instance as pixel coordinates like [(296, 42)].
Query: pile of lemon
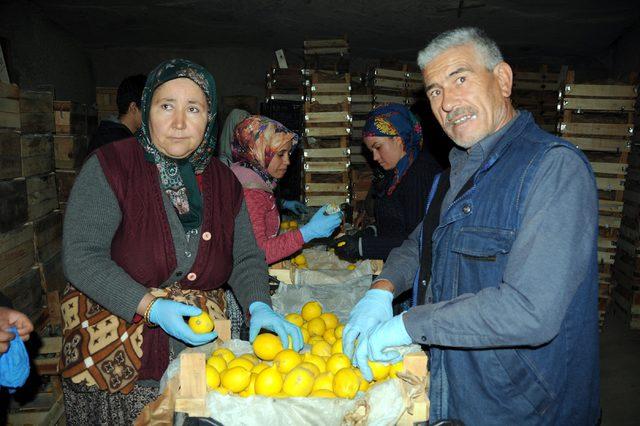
[(288, 224), (322, 372), (300, 261)]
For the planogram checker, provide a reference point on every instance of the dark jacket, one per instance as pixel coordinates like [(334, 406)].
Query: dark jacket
[(398, 214), (108, 131)]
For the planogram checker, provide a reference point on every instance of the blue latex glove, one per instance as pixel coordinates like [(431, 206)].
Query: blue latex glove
[(373, 309), (294, 206), (384, 335), (262, 316), (14, 364), (170, 314), (320, 225)]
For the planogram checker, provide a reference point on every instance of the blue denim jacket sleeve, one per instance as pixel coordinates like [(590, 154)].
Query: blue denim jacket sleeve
[(547, 261), (402, 263)]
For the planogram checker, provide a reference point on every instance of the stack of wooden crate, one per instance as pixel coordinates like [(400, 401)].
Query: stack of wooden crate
[(70, 144), (537, 92), (326, 139), (598, 118), (286, 84), (395, 86), (327, 55), (106, 105)]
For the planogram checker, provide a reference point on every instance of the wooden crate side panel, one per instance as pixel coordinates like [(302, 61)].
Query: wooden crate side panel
[(48, 236), (42, 195), (10, 151), (25, 292), (52, 274), (69, 151), (36, 154), (14, 207)]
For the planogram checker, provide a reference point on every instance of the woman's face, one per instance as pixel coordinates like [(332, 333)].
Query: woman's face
[(280, 161), (387, 151), (178, 117)]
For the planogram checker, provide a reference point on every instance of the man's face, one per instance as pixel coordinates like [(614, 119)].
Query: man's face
[(469, 101)]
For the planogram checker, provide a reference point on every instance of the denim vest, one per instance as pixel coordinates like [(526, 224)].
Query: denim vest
[(550, 384)]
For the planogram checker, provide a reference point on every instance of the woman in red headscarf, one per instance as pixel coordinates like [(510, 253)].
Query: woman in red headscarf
[(261, 148)]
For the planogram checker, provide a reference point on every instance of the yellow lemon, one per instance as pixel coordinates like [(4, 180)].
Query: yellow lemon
[(324, 381), (351, 267), (284, 225), (315, 339), (236, 379), (298, 382), (251, 389), (338, 331), (269, 382), (321, 348), (396, 368), (213, 377), (295, 319), (259, 368), (266, 346), (300, 260), (311, 367), (241, 362), (293, 224), (316, 360), (217, 362), (201, 324), (305, 334), (330, 319), (316, 327), (380, 371), (329, 336), (337, 362), (322, 393), (364, 384), (311, 310), (336, 348), (287, 360), (346, 383), (224, 353), (251, 357)]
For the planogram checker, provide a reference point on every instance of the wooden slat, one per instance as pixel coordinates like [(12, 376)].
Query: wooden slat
[(10, 105), (600, 144), (321, 200), (325, 167), (36, 154), (361, 108), (17, 254), (10, 153), (382, 72), (326, 51), (597, 129), (328, 153), (327, 117), (42, 195), (327, 131), (600, 90), (609, 222), (412, 86), (331, 88), (596, 104), (389, 98), (610, 206), (535, 85), (286, 97), (330, 99), (223, 328), (356, 133), (607, 243), (9, 91), (606, 257), (326, 187), (610, 184), (48, 236), (361, 99), (335, 42), (193, 385), (390, 84), (609, 168), (14, 205), (10, 120)]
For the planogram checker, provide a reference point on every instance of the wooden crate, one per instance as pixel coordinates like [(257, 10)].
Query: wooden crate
[(25, 155), (47, 236), (106, 98), (14, 205), (42, 195), (17, 254), (69, 151), (70, 118), (36, 112), (9, 106), (25, 292), (52, 274), (65, 180), (10, 154)]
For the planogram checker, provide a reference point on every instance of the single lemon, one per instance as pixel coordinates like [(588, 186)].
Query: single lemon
[(321, 348), (236, 379), (336, 348), (269, 382), (284, 225), (298, 382), (217, 362), (324, 381), (224, 353), (251, 389), (322, 393), (364, 384), (337, 362), (293, 224), (379, 370), (346, 383), (287, 360), (266, 346), (259, 368), (330, 319), (338, 331), (396, 368), (311, 310), (241, 362), (251, 357), (329, 336), (295, 319), (213, 377), (316, 360), (316, 327), (351, 267), (300, 259), (201, 324), (311, 367)]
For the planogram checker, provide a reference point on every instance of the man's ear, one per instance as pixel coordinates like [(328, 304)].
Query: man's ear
[(504, 75), (132, 107)]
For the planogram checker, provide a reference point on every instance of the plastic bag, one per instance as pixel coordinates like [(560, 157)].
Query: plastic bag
[(14, 364)]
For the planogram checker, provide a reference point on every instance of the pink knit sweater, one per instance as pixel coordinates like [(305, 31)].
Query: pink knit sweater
[(265, 218)]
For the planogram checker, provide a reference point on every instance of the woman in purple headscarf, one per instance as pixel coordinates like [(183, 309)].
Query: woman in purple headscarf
[(394, 136)]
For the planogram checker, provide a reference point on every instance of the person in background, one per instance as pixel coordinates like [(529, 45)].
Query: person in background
[(394, 136), (154, 227), (506, 266), (261, 148), (129, 119)]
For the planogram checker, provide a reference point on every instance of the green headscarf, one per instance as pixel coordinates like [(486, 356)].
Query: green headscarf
[(178, 177)]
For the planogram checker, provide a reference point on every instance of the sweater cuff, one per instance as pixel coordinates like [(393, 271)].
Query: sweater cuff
[(419, 322)]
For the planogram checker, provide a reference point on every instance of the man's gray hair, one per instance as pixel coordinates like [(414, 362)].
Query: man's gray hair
[(486, 48)]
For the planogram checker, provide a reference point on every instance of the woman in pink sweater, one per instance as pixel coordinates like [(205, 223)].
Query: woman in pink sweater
[(260, 149)]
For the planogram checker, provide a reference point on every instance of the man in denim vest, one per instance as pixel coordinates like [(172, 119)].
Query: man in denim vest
[(506, 276)]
